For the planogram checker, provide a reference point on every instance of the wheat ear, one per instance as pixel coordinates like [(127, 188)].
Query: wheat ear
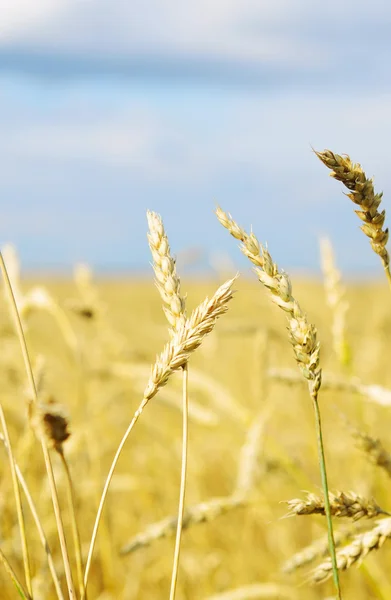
[(341, 504), (200, 513), (318, 549), (175, 356), (375, 450), (363, 194), (335, 298), (302, 336), (356, 551), (168, 284), (167, 280), (177, 352)]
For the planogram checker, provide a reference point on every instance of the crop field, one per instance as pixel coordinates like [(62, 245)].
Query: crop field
[(243, 375), (192, 440)]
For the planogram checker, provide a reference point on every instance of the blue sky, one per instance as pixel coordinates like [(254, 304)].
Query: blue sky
[(108, 108)]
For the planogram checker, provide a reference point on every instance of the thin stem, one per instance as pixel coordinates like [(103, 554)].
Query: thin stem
[(18, 503), (59, 523), (45, 450), (21, 591), (323, 473), (106, 554), (388, 274), (37, 522), (182, 491), (74, 525), (106, 488)]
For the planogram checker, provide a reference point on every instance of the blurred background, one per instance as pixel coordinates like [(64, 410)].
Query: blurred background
[(108, 108)]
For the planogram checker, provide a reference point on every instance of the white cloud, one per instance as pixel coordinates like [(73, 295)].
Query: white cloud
[(21, 17), (247, 132), (108, 141), (275, 32)]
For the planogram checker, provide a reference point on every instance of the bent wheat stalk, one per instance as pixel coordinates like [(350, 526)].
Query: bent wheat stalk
[(174, 356), (302, 336)]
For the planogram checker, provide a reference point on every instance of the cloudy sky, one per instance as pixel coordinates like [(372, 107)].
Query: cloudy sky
[(111, 107)]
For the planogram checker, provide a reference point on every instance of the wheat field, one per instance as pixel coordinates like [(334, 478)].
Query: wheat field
[(254, 521), (231, 382)]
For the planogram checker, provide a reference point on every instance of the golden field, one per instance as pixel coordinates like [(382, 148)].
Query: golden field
[(96, 366)]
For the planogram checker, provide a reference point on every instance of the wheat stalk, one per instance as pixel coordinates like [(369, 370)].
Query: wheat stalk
[(71, 495), (15, 580), (342, 504), (38, 524), (18, 503), (48, 419), (175, 356), (302, 336), (363, 194), (356, 551), (45, 450)]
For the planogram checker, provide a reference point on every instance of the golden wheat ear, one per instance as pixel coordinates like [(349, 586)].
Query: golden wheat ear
[(361, 545), (167, 279), (342, 504), (335, 297), (362, 193)]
